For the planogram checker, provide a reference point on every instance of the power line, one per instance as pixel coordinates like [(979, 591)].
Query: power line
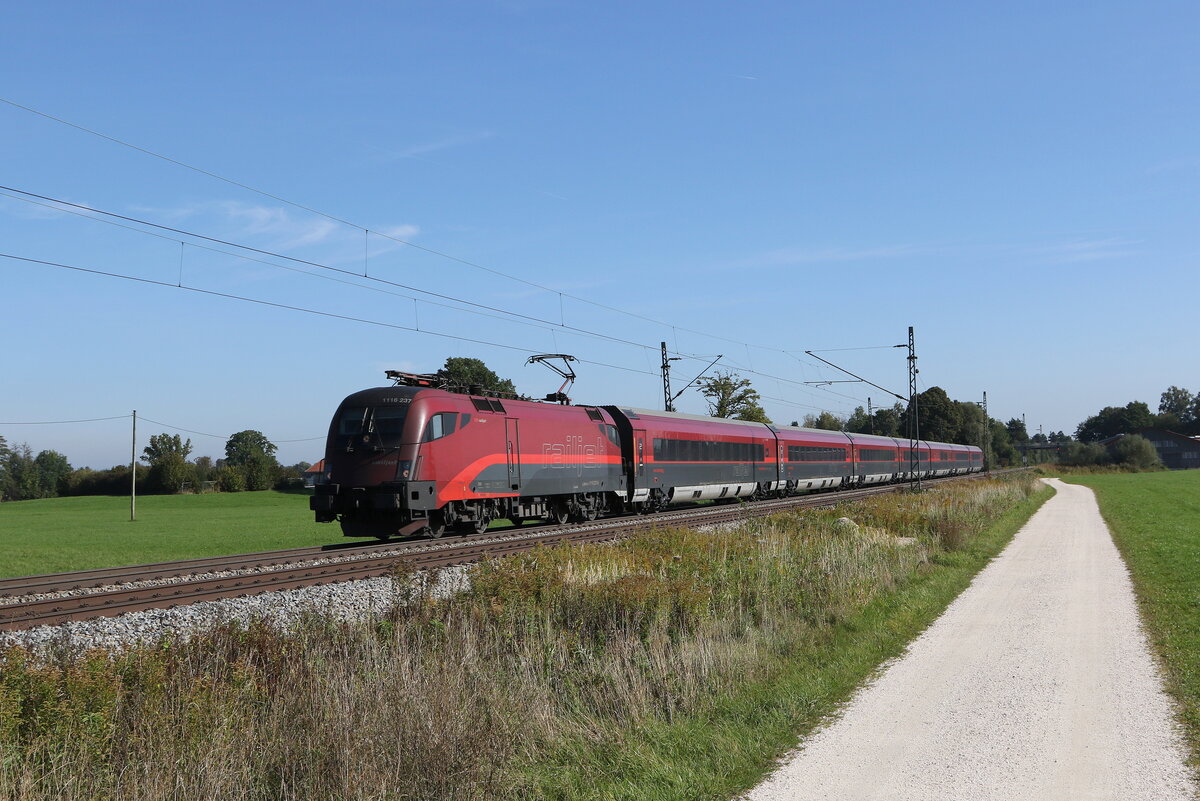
[(223, 436), (274, 254), (302, 309), (26, 196), (64, 422), (398, 240)]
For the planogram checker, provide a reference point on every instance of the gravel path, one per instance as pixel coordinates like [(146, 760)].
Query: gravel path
[(1036, 683)]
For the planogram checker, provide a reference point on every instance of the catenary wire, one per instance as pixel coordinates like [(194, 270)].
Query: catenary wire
[(274, 254), (350, 224), (645, 348), (302, 309)]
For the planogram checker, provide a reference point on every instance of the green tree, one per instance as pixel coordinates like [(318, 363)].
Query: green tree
[(825, 420), (464, 372), (1003, 451), (939, 417), (53, 472), (1113, 420), (1177, 401), (165, 446), (167, 456), (859, 422), (887, 421), (20, 474), (253, 456), (1016, 431), (730, 395), (972, 424), (203, 467)]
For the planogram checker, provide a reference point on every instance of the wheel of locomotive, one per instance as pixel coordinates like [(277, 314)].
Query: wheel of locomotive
[(559, 512), (435, 526), (591, 507), (480, 524), (516, 521)]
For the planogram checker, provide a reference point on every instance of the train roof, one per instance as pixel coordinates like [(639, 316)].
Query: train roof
[(634, 414)]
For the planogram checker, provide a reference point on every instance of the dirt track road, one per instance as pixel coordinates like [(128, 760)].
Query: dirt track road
[(1036, 683)]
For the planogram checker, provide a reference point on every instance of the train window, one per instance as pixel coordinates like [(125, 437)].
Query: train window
[(389, 419), (352, 421), (464, 418), (440, 425), (611, 433), (811, 453)]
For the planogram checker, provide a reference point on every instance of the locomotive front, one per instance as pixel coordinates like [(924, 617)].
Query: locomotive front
[(369, 456)]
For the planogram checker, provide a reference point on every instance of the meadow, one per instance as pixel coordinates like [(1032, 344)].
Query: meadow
[(59, 534), (675, 664), (1155, 521)]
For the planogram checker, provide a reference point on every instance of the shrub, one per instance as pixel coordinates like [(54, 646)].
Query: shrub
[(1136, 451), (1081, 454), (230, 479)]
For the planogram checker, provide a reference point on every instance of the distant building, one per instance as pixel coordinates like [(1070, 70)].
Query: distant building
[(1177, 451), (316, 473)]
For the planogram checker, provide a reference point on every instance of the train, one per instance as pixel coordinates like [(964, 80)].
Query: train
[(416, 458)]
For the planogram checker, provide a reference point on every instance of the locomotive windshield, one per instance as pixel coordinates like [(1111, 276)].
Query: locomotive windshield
[(383, 424)]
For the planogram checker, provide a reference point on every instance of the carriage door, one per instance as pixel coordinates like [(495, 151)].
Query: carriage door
[(639, 453), (512, 453)]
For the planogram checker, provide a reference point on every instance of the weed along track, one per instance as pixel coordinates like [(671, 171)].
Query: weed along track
[(570, 671), (81, 595)]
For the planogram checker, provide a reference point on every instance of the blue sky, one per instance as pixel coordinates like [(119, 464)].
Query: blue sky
[(1018, 182)]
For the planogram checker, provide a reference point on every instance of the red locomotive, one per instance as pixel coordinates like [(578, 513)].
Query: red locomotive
[(415, 458)]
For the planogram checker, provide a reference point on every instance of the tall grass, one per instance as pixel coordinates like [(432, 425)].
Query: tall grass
[(549, 656)]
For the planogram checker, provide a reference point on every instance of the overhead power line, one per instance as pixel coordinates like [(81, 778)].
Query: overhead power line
[(78, 209), (398, 240), (64, 422), (303, 309), (222, 436)]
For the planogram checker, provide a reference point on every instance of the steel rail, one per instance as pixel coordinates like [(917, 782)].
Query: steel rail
[(426, 554)]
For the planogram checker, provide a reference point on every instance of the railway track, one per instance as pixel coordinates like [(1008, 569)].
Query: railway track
[(170, 584)]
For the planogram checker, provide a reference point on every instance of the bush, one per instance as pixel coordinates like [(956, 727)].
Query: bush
[(1079, 454), (168, 475), (230, 479), (1136, 452)]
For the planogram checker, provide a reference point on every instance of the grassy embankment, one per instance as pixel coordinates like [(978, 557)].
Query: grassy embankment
[(669, 666), (59, 534), (1155, 521)]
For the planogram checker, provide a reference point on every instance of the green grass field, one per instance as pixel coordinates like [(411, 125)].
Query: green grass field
[(1155, 521), (58, 534)]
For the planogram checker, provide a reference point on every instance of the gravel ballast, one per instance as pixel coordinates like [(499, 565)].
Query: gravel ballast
[(345, 601), (1036, 683)]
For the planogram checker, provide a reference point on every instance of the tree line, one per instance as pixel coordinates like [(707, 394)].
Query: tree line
[(249, 464), (941, 418)]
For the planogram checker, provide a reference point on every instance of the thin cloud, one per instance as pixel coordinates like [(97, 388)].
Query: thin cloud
[(426, 148), (784, 257), (1085, 250)]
